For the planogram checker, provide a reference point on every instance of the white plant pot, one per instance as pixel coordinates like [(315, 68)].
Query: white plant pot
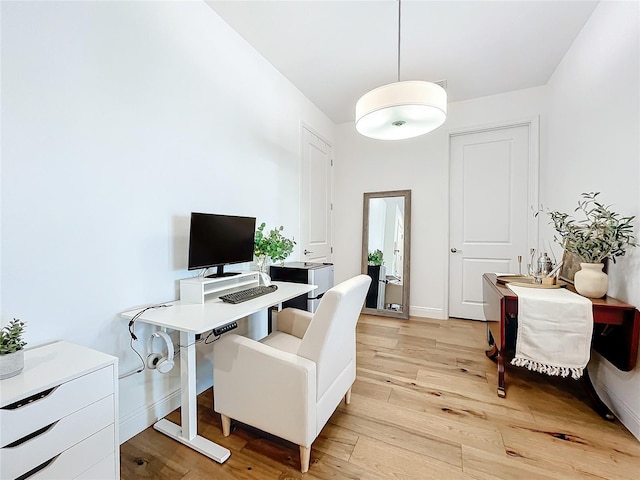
[(11, 364), (590, 281)]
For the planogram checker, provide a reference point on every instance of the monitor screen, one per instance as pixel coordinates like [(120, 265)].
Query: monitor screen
[(218, 240)]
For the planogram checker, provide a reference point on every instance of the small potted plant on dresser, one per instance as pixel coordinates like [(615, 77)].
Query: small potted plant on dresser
[(601, 234), (12, 349)]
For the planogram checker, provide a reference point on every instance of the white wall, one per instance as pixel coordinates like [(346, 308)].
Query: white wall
[(594, 145), (118, 120), (422, 165)]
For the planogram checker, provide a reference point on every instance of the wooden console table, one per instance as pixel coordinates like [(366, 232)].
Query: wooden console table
[(615, 335)]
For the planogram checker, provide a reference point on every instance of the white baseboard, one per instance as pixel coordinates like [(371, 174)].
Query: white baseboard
[(620, 409), (427, 312), (147, 415)]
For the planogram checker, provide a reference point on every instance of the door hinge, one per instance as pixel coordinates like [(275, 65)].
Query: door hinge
[(331, 206), (332, 162), (331, 249)]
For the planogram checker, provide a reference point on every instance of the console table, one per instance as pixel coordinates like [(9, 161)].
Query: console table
[(615, 335)]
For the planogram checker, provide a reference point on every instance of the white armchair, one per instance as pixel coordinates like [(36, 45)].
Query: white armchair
[(290, 383)]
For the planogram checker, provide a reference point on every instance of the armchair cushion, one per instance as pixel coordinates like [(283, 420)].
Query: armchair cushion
[(282, 341), (294, 322)]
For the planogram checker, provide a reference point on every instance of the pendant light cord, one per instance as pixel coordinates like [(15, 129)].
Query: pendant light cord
[(399, 16)]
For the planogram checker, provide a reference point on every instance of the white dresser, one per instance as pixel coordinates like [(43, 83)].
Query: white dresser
[(59, 417)]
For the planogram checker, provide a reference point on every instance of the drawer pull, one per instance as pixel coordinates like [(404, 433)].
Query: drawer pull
[(35, 470), (28, 400), (26, 438)]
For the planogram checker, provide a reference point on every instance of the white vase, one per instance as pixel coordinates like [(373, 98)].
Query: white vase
[(11, 364), (590, 281)]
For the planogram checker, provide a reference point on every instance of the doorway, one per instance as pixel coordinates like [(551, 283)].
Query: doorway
[(493, 186), (315, 198)]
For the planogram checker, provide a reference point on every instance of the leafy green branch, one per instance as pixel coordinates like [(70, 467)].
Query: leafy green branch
[(272, 244), (601, 234)]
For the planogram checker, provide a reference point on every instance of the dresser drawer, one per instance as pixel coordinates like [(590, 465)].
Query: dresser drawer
[(33, 450), (27, 416), (91, 459), (104, 470)]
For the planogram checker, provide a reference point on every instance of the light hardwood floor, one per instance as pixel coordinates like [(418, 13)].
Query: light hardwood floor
[(424, 406)]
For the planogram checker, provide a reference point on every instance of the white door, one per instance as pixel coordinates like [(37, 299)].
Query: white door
[(490, 216), (315, 198)]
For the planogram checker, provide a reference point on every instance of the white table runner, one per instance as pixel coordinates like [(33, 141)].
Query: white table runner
[(554, 331)]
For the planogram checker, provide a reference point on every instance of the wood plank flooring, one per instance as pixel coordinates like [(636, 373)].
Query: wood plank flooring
[(424, 406)]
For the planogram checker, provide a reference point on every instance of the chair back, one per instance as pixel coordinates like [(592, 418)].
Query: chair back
[(330, 340)]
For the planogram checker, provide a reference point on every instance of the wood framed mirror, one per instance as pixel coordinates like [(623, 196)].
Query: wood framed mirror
[(386, 251)]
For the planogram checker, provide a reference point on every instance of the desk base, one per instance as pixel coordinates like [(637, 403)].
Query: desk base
[(198, 443)]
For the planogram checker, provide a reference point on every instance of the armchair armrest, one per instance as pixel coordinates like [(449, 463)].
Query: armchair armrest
[(294, 322), (262, 386)]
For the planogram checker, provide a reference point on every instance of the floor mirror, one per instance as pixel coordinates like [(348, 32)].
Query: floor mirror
[(386, 250)]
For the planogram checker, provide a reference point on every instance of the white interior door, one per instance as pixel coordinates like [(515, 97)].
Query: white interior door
[(315, 198), (490, 217)]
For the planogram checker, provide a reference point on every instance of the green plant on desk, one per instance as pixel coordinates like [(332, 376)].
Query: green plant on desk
[(273, 244)]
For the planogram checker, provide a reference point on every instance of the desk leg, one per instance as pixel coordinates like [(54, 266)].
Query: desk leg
[(598, 405), (188, 432)]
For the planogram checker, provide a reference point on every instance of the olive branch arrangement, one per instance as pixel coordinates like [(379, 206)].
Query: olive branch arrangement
[(601, 234)]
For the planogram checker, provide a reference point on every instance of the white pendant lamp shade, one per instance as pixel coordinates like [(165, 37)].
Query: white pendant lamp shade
[(401, 110)]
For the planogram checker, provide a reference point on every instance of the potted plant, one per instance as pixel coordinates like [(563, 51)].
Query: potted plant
[(375, 258), (600, 234), (11, 349), (273, 245)]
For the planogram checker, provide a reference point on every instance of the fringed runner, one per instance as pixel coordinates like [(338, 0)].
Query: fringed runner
[(554, 331)]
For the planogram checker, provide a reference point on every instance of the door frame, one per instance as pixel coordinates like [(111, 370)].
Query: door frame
[(533, 187)]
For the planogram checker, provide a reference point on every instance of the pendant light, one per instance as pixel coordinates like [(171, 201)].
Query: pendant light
[(402, 109)]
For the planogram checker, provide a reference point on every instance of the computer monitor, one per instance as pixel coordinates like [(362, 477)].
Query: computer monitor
[(219, 240)]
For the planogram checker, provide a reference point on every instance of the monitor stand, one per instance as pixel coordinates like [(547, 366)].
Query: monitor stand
[(221, 273)]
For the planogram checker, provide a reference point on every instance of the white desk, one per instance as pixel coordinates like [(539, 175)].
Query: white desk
[(191, 319)]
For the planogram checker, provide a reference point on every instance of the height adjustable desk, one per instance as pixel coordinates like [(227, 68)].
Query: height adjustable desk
[(191, 319)]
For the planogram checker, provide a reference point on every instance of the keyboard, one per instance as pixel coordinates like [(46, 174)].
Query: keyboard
[(248, 294)]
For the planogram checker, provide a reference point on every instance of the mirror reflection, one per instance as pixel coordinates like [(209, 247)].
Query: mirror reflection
[(385, 252)]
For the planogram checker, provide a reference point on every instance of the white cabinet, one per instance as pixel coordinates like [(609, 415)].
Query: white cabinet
[(59, 416), (197, 289)]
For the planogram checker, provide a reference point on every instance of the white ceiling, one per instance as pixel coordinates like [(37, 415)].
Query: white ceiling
[(334, 51)]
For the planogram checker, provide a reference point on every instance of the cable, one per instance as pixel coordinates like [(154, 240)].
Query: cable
[(217, 337), (137, 315), (141, 369), (132, 333)]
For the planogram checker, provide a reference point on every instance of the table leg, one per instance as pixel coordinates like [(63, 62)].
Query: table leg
[(492, 354), (598, 405), (187, 433), (495, 356)]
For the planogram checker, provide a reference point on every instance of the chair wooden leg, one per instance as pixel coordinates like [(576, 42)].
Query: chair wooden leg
[(226, 425), (305, 457), (347, 397)]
